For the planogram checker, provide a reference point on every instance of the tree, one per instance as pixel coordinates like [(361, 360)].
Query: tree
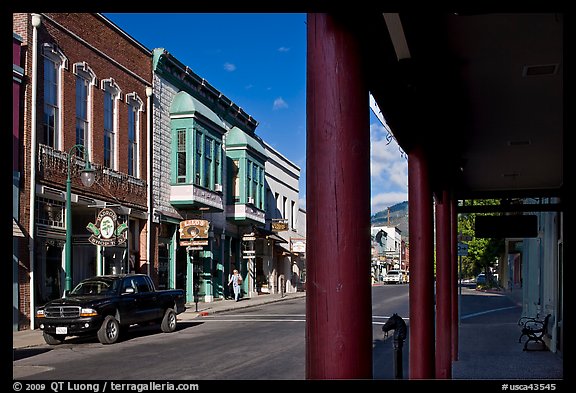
[(482, 252)]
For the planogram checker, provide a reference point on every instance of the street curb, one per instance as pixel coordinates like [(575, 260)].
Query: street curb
[(207, 310)]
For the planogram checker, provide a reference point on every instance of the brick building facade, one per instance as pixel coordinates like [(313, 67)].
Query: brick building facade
[(85, 95), (86, 92)]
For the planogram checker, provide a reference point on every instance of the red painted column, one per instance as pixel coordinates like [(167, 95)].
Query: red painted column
[(421, 290), (454, 274), (443, 287), (338, 287)]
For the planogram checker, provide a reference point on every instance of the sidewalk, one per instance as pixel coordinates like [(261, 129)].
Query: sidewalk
[(489, 348)]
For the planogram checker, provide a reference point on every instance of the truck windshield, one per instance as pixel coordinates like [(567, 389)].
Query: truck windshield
[(95, 287)]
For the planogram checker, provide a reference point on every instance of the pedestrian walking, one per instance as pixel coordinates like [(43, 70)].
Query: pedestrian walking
[(236, 281)]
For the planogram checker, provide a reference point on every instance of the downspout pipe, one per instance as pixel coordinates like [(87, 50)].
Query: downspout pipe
[(36, 21), (149, 92)]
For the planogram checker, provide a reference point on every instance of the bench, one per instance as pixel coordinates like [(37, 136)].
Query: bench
[(535, 329)]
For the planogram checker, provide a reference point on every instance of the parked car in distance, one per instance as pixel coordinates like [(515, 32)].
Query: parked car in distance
[(395, 276), (481, 279), (106, 305)]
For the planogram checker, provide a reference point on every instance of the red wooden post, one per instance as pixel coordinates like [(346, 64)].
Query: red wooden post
[(443, 287), (338, 287), (454, 274), (421, 327)]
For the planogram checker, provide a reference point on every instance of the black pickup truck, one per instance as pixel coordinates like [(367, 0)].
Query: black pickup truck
[(105, 305)]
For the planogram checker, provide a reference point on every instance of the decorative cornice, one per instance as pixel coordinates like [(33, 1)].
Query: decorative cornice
[(181, 76)]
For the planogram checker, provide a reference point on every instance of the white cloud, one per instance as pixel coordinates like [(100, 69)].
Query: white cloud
[(383, 200), (302, 202), (388, 169), (229, 67), (388, 163), (248, 87), (279, 103), (283, 49)]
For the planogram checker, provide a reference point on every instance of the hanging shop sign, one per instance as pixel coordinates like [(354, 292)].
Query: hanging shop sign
[(193, 242), (298, 245), (249, 237), (106, 232), (279, 225), (194, 229), (194, 233)]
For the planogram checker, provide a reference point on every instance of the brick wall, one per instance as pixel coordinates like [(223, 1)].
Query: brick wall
[(109, 53), (106, 48)]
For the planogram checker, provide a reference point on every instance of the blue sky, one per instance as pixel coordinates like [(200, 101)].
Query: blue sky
[(259, 62)]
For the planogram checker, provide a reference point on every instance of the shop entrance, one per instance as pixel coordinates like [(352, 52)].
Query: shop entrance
[(181, 268), (53, 281)]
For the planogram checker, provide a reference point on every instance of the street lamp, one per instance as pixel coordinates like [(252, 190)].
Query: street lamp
[(87, 177)]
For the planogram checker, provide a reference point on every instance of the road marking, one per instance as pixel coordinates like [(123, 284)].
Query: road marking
[(248, 318), (252, 320), (487, 312), (259, 315)]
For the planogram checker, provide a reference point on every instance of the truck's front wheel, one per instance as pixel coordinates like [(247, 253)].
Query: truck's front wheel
[(109, 332), (52, 339), (168, 324)]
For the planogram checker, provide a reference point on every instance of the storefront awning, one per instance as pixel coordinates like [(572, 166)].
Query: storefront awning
[(16, 231), (265, 233)]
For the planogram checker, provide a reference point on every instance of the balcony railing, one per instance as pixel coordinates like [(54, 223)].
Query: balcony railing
[(53, 168)]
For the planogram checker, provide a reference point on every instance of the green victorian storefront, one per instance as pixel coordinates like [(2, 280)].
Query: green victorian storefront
[(208, 190)]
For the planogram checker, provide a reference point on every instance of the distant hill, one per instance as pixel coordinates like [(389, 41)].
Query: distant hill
[(398, 218)]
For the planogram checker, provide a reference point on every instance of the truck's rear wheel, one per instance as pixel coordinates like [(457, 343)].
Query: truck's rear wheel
[(109, 332), (168, 324), (52, 339)]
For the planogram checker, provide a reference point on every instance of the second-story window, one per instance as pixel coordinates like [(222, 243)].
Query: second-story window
[(181, 156), (108, 130), (111, 95), (236, 180), (134, 108), (84, 78), (255, 186), (248, 179), (207, 162), (198, 159), (217, 158), (51, 108), (132, 143), (255, 183), (261, 190), (54, 62), (277, 200), (82, 91)]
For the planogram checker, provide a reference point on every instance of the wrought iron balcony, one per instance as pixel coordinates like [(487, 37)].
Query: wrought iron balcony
[(52, 168)]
